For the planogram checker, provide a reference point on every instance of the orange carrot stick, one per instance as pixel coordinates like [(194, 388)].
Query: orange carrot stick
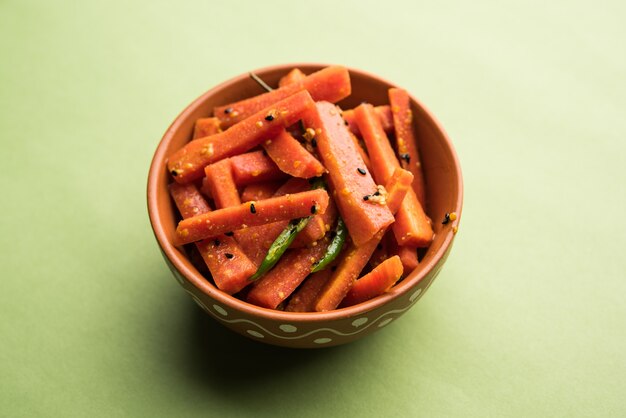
[(293, 76), (317, 227), (259, 191), (347, 174), (254, 167), (215, 223), (187, 164), (408, 256), (285, 277), (350, 266), (362, 152), (355, 258), (397, 187), (291, 157), (219, 181), (205, 127), (303, 299), (331, 84), (230, 274), (188, 200), (375, 283), (380, 254), (383, 112), (405, 139), (412, 226), (256, 240)]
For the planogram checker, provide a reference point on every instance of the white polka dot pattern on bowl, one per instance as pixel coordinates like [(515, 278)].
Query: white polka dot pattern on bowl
[(288, 328), (359, 321), (384, 322), (255, 333), (289, 331), (220, 310), (415, 295)]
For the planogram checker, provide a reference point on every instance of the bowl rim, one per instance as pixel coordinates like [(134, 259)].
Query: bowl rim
[(203, 285)]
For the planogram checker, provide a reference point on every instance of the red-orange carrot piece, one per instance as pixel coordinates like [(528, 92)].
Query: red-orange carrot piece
[(230, 274), (205, 127), (408, 256), (362, 152), (317, 227), (259, 191), (254, 167), (331, 84), (350, 266), (383, 112), (347, 174), (219, 180), (293, 76), (188, 200), (412, 226), (380, 254), (405, 139), (291, 157), (215, 223), (187, 164), (256, 240), (375, 283), (355, 258), (397, 186), (230, 267), (285, 277), (303, 299)]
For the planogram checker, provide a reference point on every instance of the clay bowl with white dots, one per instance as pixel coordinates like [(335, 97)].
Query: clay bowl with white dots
[(444, 190)]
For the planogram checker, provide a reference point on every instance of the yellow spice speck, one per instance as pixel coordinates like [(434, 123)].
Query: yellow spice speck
[(309, 134), (184, 232), (453, 216), (455, 229), (208, 150), (259, 124)]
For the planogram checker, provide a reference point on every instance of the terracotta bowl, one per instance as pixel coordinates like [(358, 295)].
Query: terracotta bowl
[(444, 189)]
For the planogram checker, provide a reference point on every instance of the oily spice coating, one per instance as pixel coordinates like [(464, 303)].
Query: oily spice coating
[(294, 204)]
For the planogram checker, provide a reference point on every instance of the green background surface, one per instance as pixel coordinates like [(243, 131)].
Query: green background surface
[(528, 316)]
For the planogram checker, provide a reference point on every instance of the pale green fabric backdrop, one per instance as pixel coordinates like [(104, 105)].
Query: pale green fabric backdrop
[(528, 316)]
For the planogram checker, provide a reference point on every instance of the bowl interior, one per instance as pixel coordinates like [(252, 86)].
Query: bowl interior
[(440, 164)]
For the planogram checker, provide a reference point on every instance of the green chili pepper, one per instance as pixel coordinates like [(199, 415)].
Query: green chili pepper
[(334, 248), (279, 246), (284, 240)]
